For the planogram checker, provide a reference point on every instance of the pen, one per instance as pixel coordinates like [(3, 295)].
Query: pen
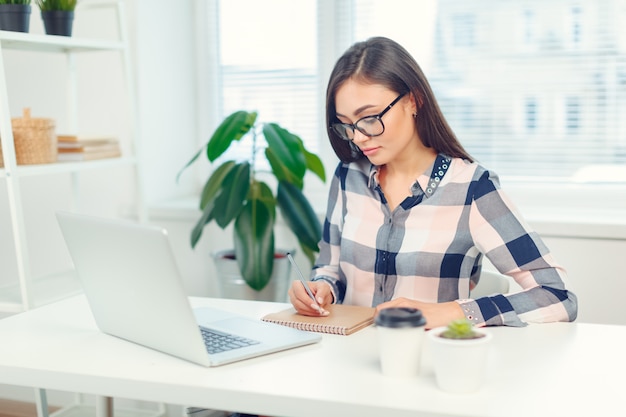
[(305, 283)]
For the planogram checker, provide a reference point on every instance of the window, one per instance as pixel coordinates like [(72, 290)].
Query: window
[(576, 26), (531, 83), (267, 63), (463, 30), (514, 79), (529, 27), (530, 115), (572, 115)]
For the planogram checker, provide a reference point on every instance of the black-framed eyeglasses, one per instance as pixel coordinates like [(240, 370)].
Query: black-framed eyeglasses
[(369, 125)]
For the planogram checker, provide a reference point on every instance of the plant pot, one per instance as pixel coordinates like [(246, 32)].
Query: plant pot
[(232, 285), (460, 365), (58, 22), (15, 17)]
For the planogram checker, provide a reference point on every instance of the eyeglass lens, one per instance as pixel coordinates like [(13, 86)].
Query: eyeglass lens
[(369, 125)]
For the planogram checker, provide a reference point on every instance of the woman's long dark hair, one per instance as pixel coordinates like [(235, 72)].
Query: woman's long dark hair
[(382, 61)]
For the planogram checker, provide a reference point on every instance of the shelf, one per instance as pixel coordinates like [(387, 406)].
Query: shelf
[(46, 290), (52, 43), (83, 410), (64, 167)]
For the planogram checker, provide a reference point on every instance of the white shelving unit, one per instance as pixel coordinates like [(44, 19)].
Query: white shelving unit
[(28, 291)]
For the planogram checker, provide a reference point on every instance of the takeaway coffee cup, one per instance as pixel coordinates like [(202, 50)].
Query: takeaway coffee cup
[(400, 335)]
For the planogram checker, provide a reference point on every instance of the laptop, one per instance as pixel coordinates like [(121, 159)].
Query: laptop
[(134, 289)]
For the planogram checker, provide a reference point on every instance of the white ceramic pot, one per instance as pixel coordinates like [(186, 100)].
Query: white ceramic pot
[(232, 285), (460, 365)]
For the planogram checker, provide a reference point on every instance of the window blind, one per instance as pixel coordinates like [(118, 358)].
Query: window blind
[(531, 88)]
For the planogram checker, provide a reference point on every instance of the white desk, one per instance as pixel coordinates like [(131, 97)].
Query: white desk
[(542, 370)]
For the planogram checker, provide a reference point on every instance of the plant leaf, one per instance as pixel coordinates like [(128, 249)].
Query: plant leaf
[(191, 161), (232, 128), (207, 216), (314, 164), (214, 183), (299, 215), (261, 191), (254, 243), (281, 171), (287, 159), (207, 201), (234, 190)]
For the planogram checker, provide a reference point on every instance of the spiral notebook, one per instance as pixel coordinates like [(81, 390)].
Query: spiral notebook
[(343, 319)]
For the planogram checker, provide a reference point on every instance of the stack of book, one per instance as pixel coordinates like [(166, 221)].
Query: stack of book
[(75, 148)]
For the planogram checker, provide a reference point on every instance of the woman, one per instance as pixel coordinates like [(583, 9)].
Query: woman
[(411, 215)]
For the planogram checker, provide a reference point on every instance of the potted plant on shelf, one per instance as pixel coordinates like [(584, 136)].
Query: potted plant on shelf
[(236, 192), (15, 15), (460, 353), (58, 16)]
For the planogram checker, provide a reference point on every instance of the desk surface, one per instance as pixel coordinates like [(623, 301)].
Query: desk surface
[(541, 370)]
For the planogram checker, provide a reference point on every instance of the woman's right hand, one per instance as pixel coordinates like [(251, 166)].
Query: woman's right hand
[(304, 304)]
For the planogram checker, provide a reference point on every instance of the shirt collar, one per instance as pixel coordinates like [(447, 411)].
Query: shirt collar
[(439, 168), (427, 183)]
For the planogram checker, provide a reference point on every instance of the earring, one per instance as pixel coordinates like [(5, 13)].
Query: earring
[(414, 115)]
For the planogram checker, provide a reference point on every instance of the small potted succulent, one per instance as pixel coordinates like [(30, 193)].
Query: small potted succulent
[(248, 195), (461, 329), (15, 15), (460, 354), (57, 16)]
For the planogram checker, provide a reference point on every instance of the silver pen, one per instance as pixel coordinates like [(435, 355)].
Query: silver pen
[(305, 283)]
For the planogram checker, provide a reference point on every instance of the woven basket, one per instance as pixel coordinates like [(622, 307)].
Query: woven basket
[(35, 140)]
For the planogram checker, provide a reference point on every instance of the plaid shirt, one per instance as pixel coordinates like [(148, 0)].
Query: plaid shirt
[(430, 248)]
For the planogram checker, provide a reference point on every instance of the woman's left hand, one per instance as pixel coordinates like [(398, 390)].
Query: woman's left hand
[(436, 314)]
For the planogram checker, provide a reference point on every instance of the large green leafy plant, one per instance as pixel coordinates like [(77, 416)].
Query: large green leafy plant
[(234, 192)]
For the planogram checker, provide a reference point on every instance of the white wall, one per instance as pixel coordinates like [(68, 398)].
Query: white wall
[(166, 74)]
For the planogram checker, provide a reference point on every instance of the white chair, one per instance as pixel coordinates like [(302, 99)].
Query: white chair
[(490, 283)]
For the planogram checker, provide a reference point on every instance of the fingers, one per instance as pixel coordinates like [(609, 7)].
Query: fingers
[(398, 302), (323, 294), (304, 304)]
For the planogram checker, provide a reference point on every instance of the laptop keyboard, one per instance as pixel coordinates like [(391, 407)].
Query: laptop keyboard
[(216, 341)]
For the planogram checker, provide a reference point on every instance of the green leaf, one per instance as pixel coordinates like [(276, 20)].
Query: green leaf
[(254, 243), (232, 128), (460, 329), (207, 201), (207, 216), (234, 190), (314, 164), (281, 171), (49, 5), (284, 153), (261, 191), (299, 215), (191, 161), (214, 183)]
